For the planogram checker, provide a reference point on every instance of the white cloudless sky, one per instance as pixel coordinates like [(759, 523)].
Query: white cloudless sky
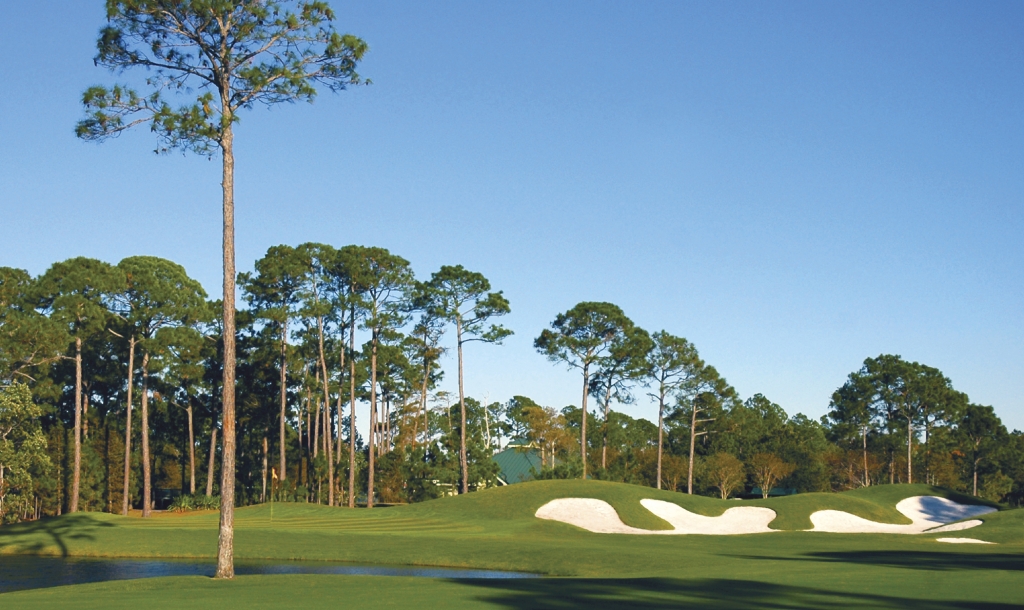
[(793, 186)]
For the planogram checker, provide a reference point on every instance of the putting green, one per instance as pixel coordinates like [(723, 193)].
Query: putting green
[(496, 529)]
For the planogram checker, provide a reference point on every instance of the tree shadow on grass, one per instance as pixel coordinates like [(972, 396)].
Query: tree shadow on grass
[(664, 593), (916, 560), (40, 537)]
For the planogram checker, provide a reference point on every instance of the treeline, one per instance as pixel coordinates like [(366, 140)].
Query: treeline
[(892, 421), (110, 396)]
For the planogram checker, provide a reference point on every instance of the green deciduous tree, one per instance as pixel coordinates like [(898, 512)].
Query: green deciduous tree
[(22, 446), (28, 339), (463, 298), (222, 56), (768, 469), (726, 472)]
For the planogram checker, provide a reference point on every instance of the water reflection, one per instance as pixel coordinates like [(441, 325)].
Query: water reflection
[(28, 572)]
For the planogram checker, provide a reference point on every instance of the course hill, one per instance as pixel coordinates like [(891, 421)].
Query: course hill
[(877, 503), (519, 503)]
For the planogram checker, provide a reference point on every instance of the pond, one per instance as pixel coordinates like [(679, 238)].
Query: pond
[(31, 572)]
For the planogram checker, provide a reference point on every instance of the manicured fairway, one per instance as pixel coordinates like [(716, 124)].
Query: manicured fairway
[(495, 529)]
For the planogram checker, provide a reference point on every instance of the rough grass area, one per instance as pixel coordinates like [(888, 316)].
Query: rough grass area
[(496, 529)]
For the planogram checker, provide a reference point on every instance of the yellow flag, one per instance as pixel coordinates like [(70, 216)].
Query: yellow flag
[(273, 473)]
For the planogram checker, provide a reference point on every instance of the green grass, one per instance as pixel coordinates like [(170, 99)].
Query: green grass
[(496, 529)]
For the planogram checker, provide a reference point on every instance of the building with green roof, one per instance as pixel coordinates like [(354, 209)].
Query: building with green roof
[(517, 462)]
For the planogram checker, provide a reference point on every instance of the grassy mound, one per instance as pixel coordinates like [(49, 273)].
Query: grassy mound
[(876, 503), (496, 529), (1004, 527), (489, 517)]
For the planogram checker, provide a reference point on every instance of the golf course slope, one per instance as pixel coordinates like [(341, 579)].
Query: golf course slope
[(925, 513), (497, 529)]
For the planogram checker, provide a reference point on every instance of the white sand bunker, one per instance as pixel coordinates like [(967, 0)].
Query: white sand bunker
[(963, 541), (598, 516), (929, 514), (736, 520)]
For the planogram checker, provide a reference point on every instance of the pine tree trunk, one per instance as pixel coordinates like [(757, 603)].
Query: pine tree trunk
[(85, 411), (125, 499), (661, 428), (316, 420), (210, 468), (693, 443), (340, 410), (352, 412), (328, 440), (864, 438), (604, 428), (147, 471), (373, 417), (423, 402), (910, 445), (583, 421), (226, 535), (76, 475), (463, 458), (191, 451), (284, 399), (263, 490)]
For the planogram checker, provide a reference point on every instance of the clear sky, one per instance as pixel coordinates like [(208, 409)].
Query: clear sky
[(793, 186)]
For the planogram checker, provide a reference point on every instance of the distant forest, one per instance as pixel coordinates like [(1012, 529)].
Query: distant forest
[(110, 395)]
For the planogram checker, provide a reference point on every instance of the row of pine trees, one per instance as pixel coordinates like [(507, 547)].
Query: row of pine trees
[(110, 396)]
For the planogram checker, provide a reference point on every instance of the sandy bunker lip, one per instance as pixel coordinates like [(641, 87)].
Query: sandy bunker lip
[(928, 514), (598, 516)]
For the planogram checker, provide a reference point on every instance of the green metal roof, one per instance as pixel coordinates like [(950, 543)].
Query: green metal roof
[(516, 463)]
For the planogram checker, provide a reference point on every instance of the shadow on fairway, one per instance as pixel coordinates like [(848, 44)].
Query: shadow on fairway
[(39, 537), (657, 593), (917, 560)]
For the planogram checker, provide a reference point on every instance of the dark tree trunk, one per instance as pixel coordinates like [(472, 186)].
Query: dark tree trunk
[(125, 498), (604, 427), (76, 475), (661, 431), (463, 459), (583, 421), (213, 454), (693, 443), (263, 491), (191, 451), (352, 412), (910, 445), (373, 418), (147, 468), (284, 400), (864, 438)]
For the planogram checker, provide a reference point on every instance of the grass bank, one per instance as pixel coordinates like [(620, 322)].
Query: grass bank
[(496, 529)]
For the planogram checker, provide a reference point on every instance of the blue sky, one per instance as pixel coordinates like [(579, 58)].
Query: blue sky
[(792, 186)]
